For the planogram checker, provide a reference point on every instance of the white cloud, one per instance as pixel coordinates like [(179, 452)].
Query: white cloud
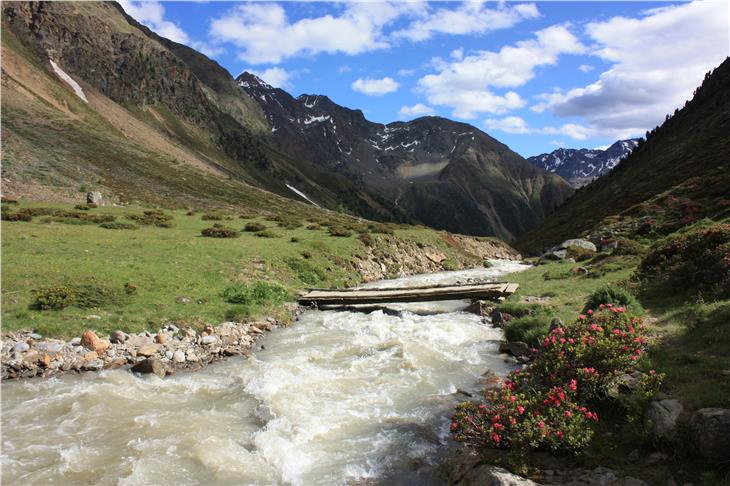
[(152, 14), (508, 124), (275, 76), (658, 59), (344, 69), (375, 87), (468, 18), (464, 85), (264, 34), (516, 124), (419, 109), (404, 73), (557, 143), (586, 68)]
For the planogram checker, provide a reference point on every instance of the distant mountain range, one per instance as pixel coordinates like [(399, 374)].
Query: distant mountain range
[(442, 173), (581, 166)]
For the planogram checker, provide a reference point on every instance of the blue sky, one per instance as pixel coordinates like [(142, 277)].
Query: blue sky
[(534, 75)]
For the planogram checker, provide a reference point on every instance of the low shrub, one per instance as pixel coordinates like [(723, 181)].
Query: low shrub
[(84, 296), (366, 239), (219, 231), (307, 272), (314, 227), (579, 254), (547, 403), (54, 298), (609, 294), (257, 293), (339, 231), (306, 254), (697, 261), (530, 329), (294, 239), (86, 206), (118, 225), (626, 246), (268, 234), (19, 216), (254, 227), (380, 228), (520, 309), (79, 217), (212, 217), (8, 200), (152, 217), (451, 264), (289, 224)]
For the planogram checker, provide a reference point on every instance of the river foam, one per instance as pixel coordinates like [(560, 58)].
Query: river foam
[(337, 397)]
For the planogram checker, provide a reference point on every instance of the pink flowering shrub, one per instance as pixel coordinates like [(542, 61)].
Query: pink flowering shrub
[(547, 404)]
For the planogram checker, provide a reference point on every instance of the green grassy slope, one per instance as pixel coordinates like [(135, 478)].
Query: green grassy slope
[(688, 157)]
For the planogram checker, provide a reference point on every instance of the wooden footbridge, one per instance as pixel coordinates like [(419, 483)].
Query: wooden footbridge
[(482, 291)]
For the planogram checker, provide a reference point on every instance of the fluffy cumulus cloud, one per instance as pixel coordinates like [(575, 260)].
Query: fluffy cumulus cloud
[(467, 18), (264, 34), (516, 124), (656, 61), (375, 87), (466, 85), (152, 14), (419, 109), (275, 76)]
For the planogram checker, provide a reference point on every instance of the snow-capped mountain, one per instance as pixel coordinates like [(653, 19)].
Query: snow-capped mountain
[(581, 166), (436, 171)]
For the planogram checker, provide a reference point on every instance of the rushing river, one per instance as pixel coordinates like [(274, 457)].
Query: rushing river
[(337, 398)]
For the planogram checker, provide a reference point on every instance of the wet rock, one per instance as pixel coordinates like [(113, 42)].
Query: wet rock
[(497, 318), (518, 348), (661, 416), (93, 365), (711, 432), (150, 365), (91, 341), (117, 337)]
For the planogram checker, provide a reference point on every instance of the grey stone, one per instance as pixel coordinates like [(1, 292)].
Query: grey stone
[(711, 432), (489, 475), (168, 354), (94, 197), (661, 418), (117, 337), (209, 340), (579, 243), (21, 347), (518, 348), (35, 336), (49, 347), (75, 341), (93, 365), (178, 356)]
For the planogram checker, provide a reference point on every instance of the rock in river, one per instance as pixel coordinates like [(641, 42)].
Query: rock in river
[(150, 365)]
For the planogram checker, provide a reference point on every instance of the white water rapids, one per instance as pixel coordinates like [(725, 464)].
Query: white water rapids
[(336, 398)]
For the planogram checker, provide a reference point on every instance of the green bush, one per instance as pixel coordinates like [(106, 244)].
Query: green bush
[(119, 225), (314, 227), (86, 206), (289, 224), (612, 295), (366, 239), (54, 298), (268, 234), (8, 200), (19, 216), (628, 247), (380, 228), (697, 261), (520, 309), (529, 329), (579, 254), (294, 239), (307, 272), (219, 231), (546, 404), (254, 227), (78, 217), (212, 217), (340, 231), (152, 217), (258, 293)]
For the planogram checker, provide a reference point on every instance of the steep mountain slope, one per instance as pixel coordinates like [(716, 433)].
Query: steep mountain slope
[(580, 166), (443, 173), (681, 174), (155, 114)]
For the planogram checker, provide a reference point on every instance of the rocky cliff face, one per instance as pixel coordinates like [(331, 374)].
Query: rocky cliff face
[(439, 172), (581, 166)]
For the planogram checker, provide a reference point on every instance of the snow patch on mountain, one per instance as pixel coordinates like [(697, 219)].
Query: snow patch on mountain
[(69, 80)]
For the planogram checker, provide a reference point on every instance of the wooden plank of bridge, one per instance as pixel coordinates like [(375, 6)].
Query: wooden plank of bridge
[(413, 294)]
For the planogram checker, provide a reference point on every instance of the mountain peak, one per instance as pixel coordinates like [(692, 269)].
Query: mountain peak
[(250, 80)]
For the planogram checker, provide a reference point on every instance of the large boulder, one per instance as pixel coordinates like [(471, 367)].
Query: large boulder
[(91, 341), (711, 432), (661, 418), (579, 243), (147, 366), (94, 197)]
